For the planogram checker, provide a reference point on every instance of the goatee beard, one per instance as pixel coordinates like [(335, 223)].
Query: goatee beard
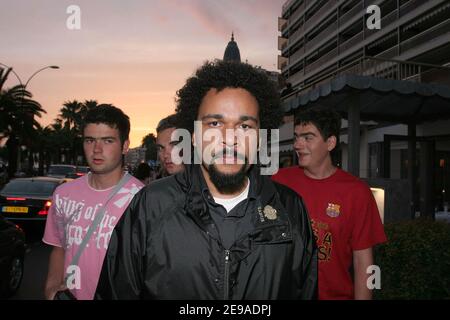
[(228, 183)]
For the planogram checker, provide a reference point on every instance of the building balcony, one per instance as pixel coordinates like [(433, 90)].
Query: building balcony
[(286, 6), (351, 13), (410, 6), (352, 42), (438, 30), (296, 78), (375, 67), (282, 63), (297, 14), (389, 23), (299, 33), (317, 40), (318, 16), (282, 43), (331, 29), (385, 21), (394, 69), (282, 24), (321, 37), (326, 57), (296, 35), (389, 53), (294, 58), (432, 33)]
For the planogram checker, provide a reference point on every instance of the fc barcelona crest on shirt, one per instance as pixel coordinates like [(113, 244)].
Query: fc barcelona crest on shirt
[(333, 210), (270, 213)]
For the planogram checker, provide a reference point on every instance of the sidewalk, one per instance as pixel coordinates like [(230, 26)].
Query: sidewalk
[(443, 216)]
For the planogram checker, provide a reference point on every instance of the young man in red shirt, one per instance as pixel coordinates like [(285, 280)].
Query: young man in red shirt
[(341, 207)]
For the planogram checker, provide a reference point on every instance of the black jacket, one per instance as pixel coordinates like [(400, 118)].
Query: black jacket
[(165, 246)]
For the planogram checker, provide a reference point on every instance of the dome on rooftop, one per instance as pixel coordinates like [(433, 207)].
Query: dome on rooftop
[(232, 51)]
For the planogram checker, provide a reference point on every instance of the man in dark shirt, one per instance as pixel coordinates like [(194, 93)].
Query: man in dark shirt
[(220, 229)]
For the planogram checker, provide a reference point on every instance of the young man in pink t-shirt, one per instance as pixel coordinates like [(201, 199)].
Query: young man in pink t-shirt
[(76, 203), (343, 212)]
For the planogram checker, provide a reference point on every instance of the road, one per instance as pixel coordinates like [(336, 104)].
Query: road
[(35, 270)]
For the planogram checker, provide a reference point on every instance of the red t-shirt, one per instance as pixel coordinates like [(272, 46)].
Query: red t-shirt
[(344, 218)]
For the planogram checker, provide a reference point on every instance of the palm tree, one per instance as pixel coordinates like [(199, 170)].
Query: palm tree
[(3, 76), (17, 119), (4, 104), (59, 139), (71, 116), (87, 106), (70, 113)]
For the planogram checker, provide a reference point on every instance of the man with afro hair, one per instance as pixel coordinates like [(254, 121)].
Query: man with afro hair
[(219, 229)]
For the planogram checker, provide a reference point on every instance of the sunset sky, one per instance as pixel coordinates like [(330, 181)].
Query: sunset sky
[(134, 54)]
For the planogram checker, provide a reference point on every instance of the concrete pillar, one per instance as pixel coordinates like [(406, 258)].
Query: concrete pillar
[(353, 135), (427, 149), (386, 166), (412, 176), (364, 153), (344, 156)]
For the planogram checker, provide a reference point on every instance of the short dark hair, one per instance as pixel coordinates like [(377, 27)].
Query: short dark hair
[(110, 115), (229, 74), (327, 121), (167, 122)]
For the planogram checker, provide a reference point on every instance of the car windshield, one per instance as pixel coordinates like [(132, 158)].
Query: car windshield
[(62, 170), (83, 169), (29, 188)]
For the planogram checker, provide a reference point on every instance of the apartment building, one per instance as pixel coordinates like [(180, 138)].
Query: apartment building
[(322, 40), (135, 156), (319, 37)]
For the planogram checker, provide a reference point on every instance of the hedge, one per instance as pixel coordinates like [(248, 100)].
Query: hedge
[(415, 262)]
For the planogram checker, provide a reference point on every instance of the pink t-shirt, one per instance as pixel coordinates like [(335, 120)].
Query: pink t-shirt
[(74, 205)]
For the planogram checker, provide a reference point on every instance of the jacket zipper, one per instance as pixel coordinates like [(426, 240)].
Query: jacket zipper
[(226, 275)]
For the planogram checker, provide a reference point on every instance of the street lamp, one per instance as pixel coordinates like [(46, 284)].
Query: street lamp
[(31, 77), (24, 87)]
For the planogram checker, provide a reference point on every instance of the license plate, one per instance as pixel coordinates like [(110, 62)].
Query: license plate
[(15, 209)]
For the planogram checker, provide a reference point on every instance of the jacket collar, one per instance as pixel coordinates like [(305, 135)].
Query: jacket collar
[(271, 222)]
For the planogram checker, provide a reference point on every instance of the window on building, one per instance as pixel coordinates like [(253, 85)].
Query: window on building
[(382, 44), (352, 58), (316, 7), (351, 31), (347, 6)]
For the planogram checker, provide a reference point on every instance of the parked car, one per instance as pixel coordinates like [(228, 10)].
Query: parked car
[(28, 198), (12, 253), (20, 174), (80, 171), (61, 170)]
